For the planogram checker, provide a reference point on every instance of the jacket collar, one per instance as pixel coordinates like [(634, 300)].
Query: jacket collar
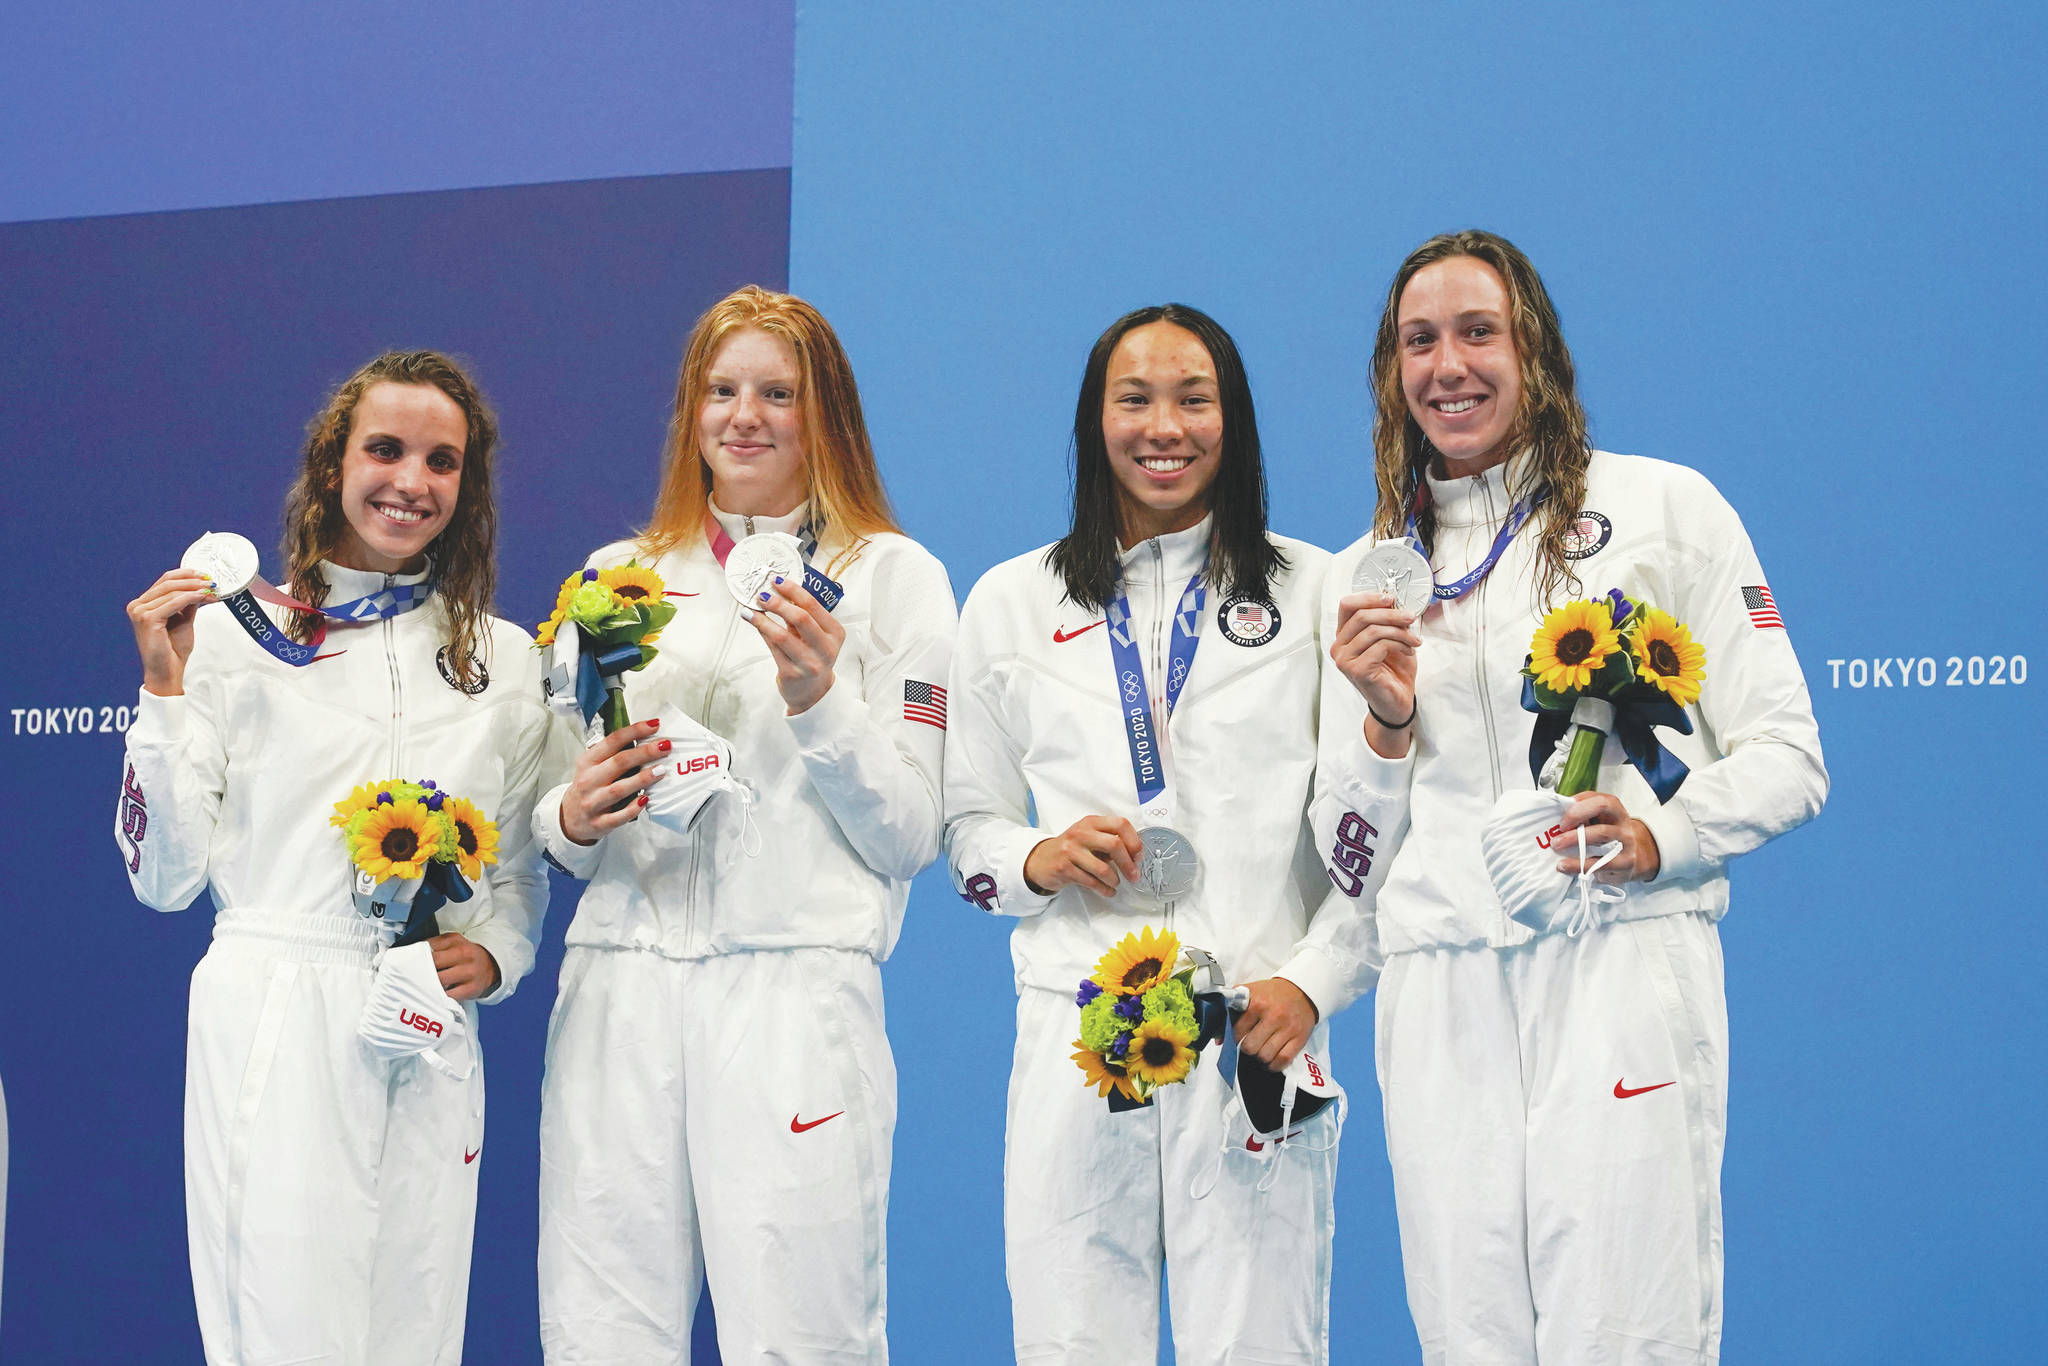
[(1179, 554), (736, 525), (1477, 499), (346, 585)]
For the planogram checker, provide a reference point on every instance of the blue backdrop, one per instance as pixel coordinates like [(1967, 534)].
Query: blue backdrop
[(1793, 247)]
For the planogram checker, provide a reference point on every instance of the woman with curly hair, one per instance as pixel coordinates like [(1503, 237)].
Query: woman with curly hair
[(1555, 1095), (331, 1186)]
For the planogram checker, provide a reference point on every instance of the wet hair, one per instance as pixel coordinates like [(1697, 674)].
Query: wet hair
[(464, 554), (1241, 559), (1550, 423), (842, 484)]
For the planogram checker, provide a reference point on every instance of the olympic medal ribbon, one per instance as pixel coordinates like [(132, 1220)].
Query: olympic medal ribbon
[(390, 602), (1517, 515), (1145, 736)]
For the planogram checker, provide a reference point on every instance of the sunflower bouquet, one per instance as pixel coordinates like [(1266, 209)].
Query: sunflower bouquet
[(1141, 1020), (609, 619), (411, 848), (1610, 665)]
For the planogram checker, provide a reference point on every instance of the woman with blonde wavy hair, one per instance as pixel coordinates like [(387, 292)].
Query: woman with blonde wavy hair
[(330, 1188), (720, 1097), (1555, 1086)]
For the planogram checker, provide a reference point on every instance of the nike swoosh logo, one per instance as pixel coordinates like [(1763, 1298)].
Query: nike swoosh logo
[(1252, 1144), (1623, 1092), (797, 1126), (1061, 635), (331, 654), (674, 593), (468, 1158)]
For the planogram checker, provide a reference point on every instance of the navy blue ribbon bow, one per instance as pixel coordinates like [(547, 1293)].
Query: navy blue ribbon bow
[(1634, 718), (595, 673)]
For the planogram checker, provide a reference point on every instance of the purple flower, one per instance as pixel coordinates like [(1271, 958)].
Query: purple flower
[(1088, 992), (428, 783), (1131, 1008), (383, 799), (1120, 1046), (1623, 609), (434, 800), (590, 576)]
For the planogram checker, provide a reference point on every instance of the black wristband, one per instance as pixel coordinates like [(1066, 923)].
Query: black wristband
[(1393, 725)]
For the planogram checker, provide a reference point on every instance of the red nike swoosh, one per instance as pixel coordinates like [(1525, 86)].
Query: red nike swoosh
[(673, 593), (797, 1126), (1623, 1093), (331, 654), (1252, 1144), (468, 1158), (1061, 635)]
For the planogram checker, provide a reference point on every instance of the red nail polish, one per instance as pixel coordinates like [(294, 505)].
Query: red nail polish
[(666, 745), (655, 724), (643, 799)]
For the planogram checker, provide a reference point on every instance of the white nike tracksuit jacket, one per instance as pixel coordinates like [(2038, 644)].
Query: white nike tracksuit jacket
[(330, 1195), (1095, 1202), (720, 1096), (1556, 1107)]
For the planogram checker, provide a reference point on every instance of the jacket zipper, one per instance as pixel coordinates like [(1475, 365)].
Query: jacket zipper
[(1479, 673), (397, 693), (697, 838), (1161, 715)]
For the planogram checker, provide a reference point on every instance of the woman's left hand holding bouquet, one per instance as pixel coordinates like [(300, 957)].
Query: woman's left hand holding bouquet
[(1605, 819)]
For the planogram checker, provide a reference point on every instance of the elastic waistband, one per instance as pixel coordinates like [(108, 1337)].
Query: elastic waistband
[(343, 941)]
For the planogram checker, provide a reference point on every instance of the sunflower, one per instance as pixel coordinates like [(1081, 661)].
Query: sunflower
[(396, 840), (1162, 1052), (631, 584), (1138, 963), (1102, 1074), (476, 839), (1668, 657), (362, 799), (1571, 645), (544, 634)]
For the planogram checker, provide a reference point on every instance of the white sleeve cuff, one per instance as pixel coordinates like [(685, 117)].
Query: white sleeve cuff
[(1014, 895), (577, 860), (1368, 774), (1678, 840), (1319, 979), (158, 720), (829, 725)]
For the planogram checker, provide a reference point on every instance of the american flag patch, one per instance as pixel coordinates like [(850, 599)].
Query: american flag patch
[(1763, 608), (924, 702)]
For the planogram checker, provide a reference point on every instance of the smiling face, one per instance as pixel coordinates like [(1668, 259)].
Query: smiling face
[(1162, 427), (1460, 371), (400, 475), (750, 426)]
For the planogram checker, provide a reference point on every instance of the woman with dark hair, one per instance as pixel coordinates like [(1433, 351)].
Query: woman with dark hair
[(720, 1096), (1209, 633), (331, 1189), (1555, 1095)]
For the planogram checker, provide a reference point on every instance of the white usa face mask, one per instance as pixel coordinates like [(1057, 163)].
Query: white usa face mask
[(699, 766), (1521, 844), (408, 1014)]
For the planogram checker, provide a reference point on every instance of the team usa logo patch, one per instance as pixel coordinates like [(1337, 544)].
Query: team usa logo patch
[(134, 819), (1587, 536), (1762, 609), (924, 702), (1248, 621), (474, 686)]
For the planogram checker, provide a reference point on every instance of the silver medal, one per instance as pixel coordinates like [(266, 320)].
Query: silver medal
[(1168, 866), (755, 562), (1397, 569), (228, 560)]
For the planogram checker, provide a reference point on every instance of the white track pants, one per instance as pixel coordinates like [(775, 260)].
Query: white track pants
[(330, 1196), (727, 1117), (1555, 1118), (1094, 1204)]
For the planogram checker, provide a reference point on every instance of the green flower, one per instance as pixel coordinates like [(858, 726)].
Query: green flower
[(1099, 1023), (1170, 1001), (591, 604)]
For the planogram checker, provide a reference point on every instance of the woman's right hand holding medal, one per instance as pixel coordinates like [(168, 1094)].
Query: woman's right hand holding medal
[(611, 781), (1090, 854), (162, 618), (1375, 648)]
